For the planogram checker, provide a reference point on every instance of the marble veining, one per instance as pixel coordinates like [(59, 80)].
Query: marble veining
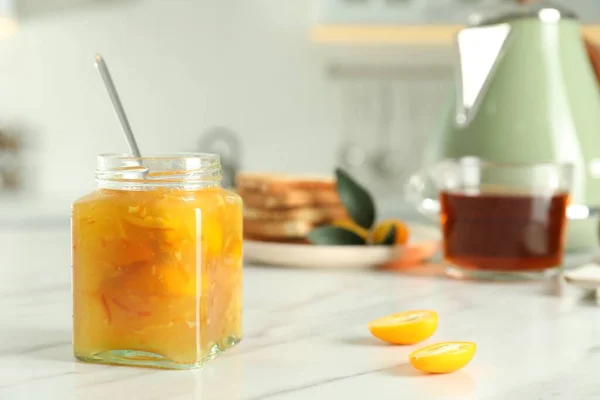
[(306, 338)]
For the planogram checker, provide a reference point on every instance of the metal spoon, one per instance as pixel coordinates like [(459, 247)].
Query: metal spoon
[(114, 97)]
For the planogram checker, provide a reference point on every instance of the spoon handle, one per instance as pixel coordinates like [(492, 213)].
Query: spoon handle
[(114, 97)]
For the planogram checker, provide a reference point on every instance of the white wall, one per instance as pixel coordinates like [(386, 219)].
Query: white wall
[(181, 66)]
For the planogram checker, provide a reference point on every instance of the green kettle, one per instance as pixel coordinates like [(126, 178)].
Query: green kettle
[(525, 92)]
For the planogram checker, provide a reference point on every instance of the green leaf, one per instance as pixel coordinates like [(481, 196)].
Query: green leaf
[(390, 238), (334, 235), (356, 199)]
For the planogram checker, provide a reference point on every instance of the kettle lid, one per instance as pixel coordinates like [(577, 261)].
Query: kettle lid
[(545, 11)]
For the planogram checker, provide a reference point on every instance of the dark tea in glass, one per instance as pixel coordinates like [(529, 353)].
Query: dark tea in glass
[(499, 220), (503, 232)]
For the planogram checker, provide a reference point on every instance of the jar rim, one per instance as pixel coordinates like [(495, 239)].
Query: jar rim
[(179, 170), (165, 156)]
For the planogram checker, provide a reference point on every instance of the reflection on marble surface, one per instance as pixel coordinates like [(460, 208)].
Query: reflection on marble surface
[(306, 338)]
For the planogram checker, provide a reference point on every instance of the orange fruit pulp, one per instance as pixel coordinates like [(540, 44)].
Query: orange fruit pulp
[(157, 271), (406, 327), (442, 358)]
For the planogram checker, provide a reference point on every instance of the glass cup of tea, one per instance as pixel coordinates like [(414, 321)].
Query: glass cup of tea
[(499, 221)]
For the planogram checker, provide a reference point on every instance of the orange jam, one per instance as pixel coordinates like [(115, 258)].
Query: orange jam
[(157, 275)]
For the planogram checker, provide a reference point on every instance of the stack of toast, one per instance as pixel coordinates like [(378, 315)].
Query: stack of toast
[(285, 208)]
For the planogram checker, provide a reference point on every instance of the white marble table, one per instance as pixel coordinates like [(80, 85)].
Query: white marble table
[(306, 338)]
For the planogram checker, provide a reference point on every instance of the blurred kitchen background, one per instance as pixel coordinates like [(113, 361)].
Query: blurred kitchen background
[(274, 85)]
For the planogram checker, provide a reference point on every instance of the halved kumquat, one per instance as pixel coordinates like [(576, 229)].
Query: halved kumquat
[(408, 327), (442, 358)]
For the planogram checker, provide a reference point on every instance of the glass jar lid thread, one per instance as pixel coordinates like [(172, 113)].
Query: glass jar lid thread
[(182, 170)]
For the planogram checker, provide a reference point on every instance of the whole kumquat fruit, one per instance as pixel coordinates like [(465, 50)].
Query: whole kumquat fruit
[(442, 358), (406, 327), (381, 231)]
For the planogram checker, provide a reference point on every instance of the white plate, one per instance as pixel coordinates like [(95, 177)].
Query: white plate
[(423, 244)]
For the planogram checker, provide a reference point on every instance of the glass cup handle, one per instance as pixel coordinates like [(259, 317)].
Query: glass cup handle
[(415, 196)]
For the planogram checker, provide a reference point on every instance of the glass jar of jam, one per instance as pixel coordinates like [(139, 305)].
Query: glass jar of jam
[(157, 263)]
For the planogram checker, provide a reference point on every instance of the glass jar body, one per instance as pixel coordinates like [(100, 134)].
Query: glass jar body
[(157, 275)]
